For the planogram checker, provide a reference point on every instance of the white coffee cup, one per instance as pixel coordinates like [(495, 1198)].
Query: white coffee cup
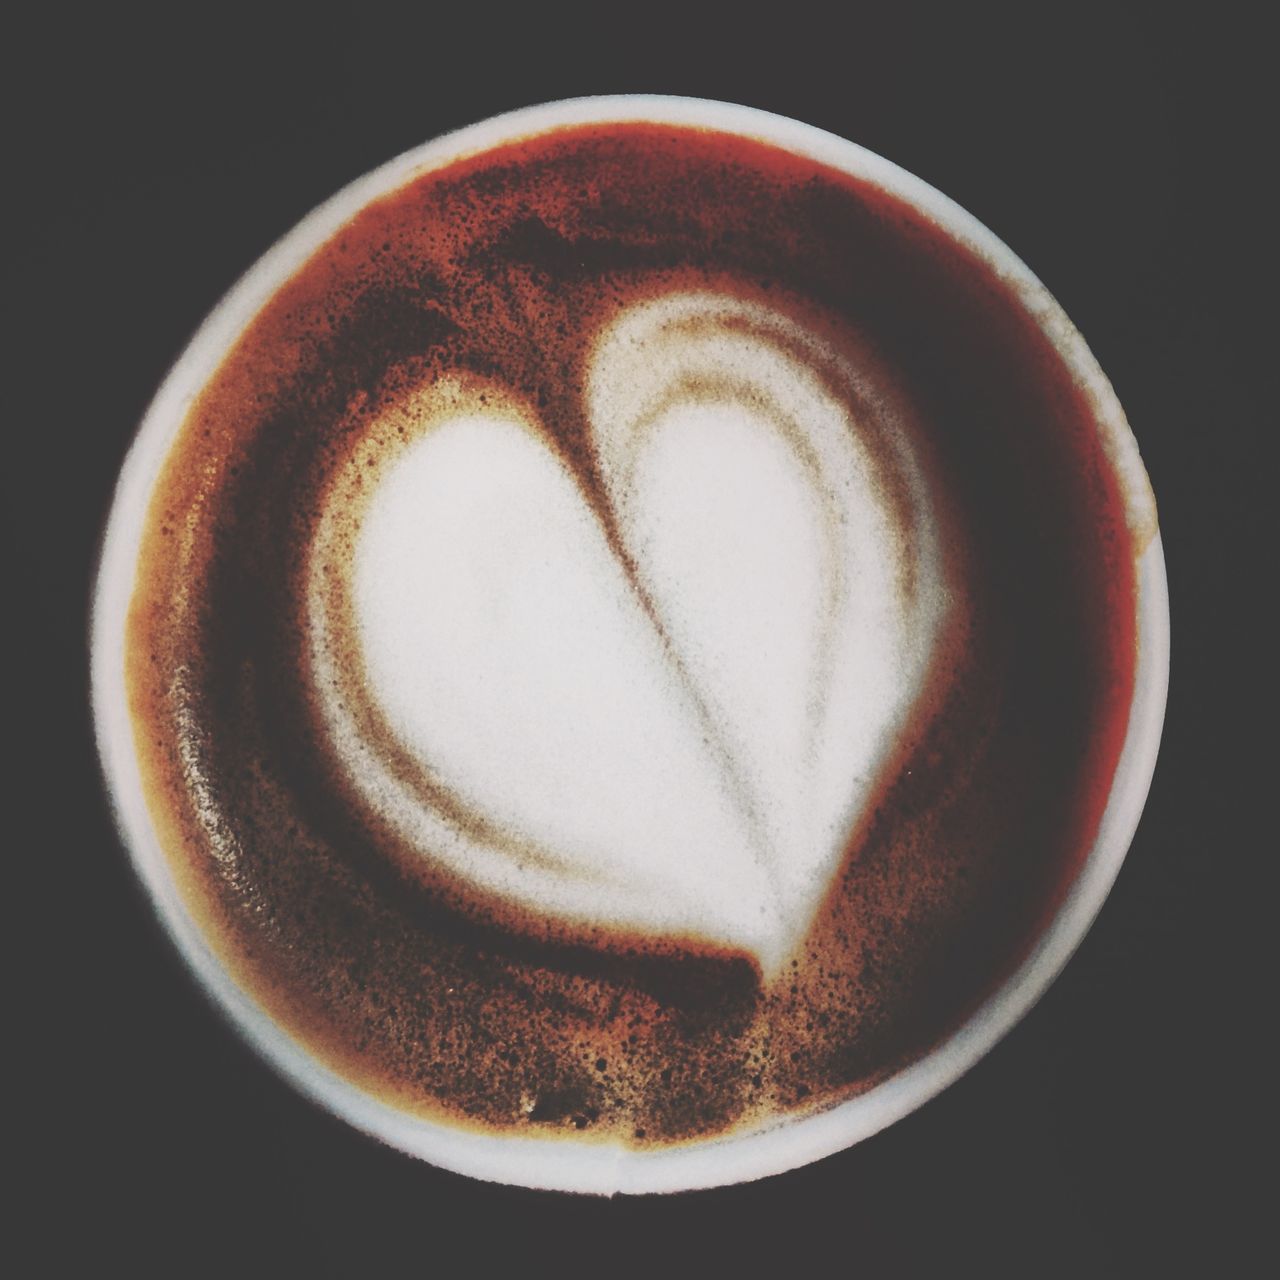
[(592, 1166)]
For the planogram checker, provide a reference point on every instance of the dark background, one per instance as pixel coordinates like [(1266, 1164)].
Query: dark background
[(1121, 155)]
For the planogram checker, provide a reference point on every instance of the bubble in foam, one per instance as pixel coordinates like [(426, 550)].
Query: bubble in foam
[(666, 721)]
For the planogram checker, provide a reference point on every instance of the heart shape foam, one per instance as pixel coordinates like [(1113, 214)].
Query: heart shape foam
[(669, 725)]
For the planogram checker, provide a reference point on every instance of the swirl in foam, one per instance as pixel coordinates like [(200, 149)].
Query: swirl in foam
[(654, 695)]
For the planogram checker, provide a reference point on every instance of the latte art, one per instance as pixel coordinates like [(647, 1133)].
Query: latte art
[(665, 714), (632, 642)]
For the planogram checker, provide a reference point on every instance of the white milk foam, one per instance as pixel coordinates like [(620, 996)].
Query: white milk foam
[(678, 740)]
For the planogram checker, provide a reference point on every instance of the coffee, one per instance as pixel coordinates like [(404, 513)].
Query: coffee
[(634, 640)]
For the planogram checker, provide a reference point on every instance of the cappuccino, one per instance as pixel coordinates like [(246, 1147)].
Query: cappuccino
[(633, 642)]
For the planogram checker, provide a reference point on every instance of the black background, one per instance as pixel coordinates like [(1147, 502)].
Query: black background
[(1120, 153)]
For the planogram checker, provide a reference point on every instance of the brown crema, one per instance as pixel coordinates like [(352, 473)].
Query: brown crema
[(499, 270)]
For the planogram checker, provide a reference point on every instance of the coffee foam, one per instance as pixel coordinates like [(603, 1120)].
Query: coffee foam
[(671, 730), (493, 297)]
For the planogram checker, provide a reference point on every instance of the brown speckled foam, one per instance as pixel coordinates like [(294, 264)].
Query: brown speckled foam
[(501, 270)]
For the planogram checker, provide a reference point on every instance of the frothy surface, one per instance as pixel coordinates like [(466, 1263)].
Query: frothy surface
[(633, 640)]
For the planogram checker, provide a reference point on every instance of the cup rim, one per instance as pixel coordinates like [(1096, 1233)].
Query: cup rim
[(571, 1164)]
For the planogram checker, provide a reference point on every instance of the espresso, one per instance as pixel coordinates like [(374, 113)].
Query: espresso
[(634, 640)]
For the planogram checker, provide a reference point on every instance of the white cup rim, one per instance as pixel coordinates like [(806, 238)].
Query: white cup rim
[(571, 1165)]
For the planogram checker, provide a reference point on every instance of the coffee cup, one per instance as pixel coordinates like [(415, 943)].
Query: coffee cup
[(427, 637)]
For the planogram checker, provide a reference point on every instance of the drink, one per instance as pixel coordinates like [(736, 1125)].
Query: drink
[(631, 648)]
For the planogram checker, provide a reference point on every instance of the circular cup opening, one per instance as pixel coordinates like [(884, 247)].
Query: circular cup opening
[(567, 1165)]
